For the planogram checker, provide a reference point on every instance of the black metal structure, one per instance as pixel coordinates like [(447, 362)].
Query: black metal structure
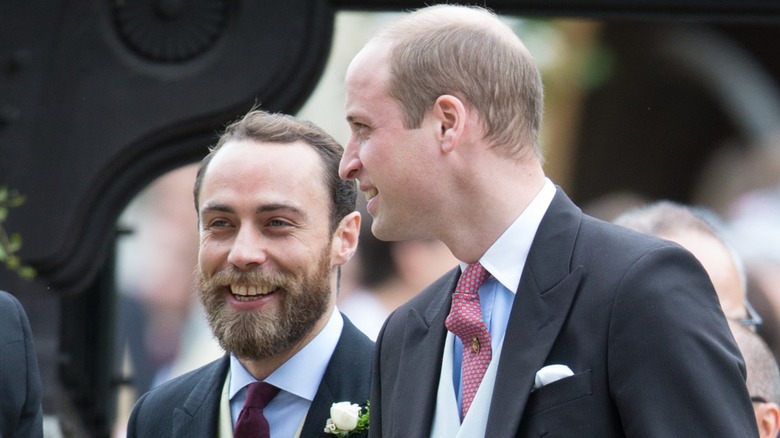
[(97, 98)]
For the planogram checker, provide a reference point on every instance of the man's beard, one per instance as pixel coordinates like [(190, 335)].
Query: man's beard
[(261, 335)]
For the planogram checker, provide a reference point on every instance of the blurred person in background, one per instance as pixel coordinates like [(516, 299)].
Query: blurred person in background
[(763, 379), (755, 219)]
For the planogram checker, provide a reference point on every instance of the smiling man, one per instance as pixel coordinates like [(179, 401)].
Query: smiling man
[(276, 223), (556, 324)]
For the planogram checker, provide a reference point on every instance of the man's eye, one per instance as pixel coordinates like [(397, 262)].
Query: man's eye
[(217, 223), (278, 223)]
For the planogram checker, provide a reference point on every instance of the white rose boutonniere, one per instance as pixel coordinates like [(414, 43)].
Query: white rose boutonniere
[(347, 418)]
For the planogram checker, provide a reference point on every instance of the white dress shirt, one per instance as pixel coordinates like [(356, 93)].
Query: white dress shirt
[(505, 261), (298, 380)]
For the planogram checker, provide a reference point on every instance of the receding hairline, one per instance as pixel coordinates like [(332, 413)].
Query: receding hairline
[(242, 139), (446, 15), (450, 38), (249, 141)]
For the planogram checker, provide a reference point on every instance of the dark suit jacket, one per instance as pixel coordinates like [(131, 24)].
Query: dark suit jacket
[(188, 406), (21, 414), (635, 318)]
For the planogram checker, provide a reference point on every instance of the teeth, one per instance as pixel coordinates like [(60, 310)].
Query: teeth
[(249, 290), (371, 193)]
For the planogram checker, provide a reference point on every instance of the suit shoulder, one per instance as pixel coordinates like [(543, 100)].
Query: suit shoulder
[(620, 259), (607, 235), (355, 340), (10, 307), (7, 301), (14, 324), (178, 388)]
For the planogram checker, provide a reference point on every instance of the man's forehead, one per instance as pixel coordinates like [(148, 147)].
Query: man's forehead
[(373, 55), (282, 162), (256, 151)]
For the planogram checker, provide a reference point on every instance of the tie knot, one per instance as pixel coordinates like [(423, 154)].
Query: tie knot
[(471, 279), (260, 393)]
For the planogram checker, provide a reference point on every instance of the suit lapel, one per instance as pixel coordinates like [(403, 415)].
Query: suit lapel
[(544, 296), (199, 414), (347, 378), (420, 361)]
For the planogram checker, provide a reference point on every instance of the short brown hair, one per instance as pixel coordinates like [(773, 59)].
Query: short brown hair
[(266, 127), (469, 53)]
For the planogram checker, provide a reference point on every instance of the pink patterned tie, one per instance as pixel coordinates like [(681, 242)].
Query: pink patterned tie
[(251, 421), (465, 321)]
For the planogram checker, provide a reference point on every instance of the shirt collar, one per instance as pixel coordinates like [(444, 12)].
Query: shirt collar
[(501, 259), (302, 373)]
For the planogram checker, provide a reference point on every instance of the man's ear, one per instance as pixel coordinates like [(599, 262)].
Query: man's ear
[(768, 419), (345, 239), (450, 114)]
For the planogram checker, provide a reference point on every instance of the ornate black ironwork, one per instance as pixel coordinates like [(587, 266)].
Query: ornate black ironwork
[(171, 30)]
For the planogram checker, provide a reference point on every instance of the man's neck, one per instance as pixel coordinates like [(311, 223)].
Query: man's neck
[(489, 217)]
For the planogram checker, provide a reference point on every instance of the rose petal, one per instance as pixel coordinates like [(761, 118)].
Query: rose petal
[(345, 415)]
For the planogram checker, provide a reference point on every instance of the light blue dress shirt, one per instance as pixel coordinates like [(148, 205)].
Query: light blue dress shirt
[(505, 261), (298, 380)]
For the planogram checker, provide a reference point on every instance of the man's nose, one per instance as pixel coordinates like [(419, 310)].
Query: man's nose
[(248, 249), (350, 165)]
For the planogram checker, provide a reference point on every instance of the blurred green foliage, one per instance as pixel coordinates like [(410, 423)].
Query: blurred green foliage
[(10, 244)]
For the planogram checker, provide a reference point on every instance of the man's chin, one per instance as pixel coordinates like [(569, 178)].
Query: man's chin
[(388, 234), (380, 231)]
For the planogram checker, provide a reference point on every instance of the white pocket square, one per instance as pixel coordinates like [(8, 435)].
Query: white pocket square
[(550, 374)]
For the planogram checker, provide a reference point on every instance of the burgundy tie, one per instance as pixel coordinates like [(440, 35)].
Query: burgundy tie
[(251, 421), (465, 321)]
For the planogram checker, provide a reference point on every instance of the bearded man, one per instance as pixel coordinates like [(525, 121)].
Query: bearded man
[(276, 223)]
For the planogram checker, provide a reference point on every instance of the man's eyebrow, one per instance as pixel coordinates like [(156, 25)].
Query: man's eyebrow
[(269, 208), (216, 207), (265, 208)]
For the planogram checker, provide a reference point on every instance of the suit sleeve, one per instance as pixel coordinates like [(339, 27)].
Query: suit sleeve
[(674, 368), (22, 412), (133, 429)]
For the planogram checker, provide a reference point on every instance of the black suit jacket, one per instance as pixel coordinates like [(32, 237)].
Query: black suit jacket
[(635, 318), (21, 414), (188, 406)]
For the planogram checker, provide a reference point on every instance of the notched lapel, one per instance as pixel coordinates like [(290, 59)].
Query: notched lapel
[(442, 300), (347, 378), (544, 297), (420, 362), (186, 424), (537, 318), (199, 414)]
